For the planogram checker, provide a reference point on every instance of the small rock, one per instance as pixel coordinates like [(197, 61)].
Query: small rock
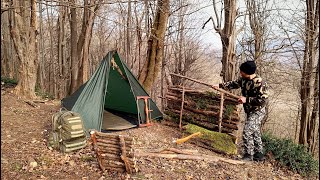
[(66, 157), (71, 163), (4, 160), (33, 164), (101, 178), (42, 177), (148, 175)]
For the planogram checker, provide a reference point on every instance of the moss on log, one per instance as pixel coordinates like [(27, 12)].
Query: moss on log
[(219, 141)]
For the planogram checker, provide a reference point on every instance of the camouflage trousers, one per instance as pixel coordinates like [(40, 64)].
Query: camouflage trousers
[(251, 132)]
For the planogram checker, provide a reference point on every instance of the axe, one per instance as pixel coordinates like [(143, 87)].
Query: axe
[(182, 140)]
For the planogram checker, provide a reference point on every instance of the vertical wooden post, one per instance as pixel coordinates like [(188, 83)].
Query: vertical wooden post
[(221, 110), (238, 131), (182, 103)]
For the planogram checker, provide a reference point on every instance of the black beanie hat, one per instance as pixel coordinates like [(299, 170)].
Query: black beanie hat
[(248, 67)]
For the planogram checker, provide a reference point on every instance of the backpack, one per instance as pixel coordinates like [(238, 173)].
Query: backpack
[(68, 133)]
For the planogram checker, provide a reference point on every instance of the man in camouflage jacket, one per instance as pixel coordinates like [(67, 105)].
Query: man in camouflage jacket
[(254, 97)]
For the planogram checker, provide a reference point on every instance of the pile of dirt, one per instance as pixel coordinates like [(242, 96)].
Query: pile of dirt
[(24, 152)]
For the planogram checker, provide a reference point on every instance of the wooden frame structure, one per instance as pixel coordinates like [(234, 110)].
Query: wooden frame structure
[(224, 95)]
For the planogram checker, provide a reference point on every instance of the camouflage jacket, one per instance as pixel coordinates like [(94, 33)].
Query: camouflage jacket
[(255, 91)]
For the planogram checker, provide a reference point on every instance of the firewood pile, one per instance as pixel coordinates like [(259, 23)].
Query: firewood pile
[(114, 152), (213, 111)]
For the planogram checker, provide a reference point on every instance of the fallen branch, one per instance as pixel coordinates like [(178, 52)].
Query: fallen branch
[(39, 101), (189, 157), (32, 104), (178, 151)]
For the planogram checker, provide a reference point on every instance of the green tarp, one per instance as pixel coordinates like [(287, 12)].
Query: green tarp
[(112, 88)]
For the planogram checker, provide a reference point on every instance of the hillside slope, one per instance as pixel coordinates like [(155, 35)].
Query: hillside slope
[(24, 131)]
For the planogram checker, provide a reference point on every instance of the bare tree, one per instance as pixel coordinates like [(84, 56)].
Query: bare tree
[(313, 128), (80, 43), (228, 36), (23, 29), (152, 65), (7, 60), (308, 79), (258, 13), (62, 54)]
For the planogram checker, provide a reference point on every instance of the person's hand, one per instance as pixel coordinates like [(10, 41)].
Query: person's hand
[(242, 100)]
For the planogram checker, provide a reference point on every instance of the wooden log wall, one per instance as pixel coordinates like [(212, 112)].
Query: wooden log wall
[(203, 109), (114, 152)]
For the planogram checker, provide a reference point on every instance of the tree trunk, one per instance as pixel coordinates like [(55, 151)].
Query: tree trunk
[(311, 129), (74, 53), (128, 44), (5, 43), (52, 63), (24, 33), (228, 39), (80, 45), (151, 67), (41, 68), (61, 55), (308, 79)]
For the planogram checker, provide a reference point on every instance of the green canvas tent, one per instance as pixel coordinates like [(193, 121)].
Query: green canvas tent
[(112, 99)]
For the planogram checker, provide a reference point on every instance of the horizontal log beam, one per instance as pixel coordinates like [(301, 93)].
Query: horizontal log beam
[(112, 141), (113, 136), (115, 157), (206, 124), (215, 99), (232, 117), (206, 84), (227, 121), (101, 144)]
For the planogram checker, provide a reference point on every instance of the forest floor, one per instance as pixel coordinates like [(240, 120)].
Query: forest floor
[(25, 155)]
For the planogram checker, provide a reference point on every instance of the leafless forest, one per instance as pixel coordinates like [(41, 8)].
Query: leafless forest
[(52, 47)]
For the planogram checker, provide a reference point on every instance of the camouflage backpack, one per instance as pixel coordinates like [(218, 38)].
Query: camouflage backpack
[(68, 133)]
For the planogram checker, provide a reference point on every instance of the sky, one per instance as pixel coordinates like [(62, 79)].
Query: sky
[(208, 34)]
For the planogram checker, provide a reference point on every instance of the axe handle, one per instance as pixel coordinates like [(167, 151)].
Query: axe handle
[(182, 140)]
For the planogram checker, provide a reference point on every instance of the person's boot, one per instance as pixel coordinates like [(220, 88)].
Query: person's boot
[(247, 157), (258, 156)]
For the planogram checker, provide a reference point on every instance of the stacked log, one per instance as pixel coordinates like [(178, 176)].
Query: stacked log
[(114, 152), (203, 109)]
